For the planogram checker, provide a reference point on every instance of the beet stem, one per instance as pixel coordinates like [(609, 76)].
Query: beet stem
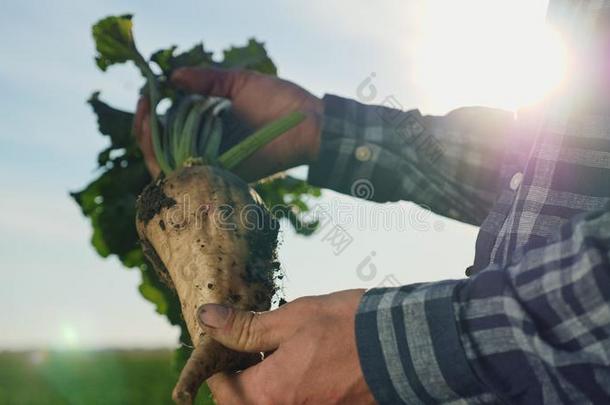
[(234, 156)]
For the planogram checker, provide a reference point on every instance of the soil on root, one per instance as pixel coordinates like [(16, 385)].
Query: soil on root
[(263, 265), (151, 254), (152, 200)]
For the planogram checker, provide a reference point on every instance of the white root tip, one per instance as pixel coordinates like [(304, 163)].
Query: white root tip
[(192, 376)]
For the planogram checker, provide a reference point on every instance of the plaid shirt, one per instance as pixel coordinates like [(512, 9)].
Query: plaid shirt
[(532, 324)]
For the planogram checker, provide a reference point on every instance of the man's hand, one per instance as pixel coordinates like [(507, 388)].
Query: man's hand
[(258, 100), (314, 358)]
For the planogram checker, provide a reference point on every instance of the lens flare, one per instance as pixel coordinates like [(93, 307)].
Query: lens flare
[(498, 54), (69, 337)]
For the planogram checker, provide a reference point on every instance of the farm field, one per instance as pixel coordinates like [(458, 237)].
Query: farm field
[(96, 377)]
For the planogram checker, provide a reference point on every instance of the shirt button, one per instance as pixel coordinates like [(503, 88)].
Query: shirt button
[(363, 153), (516, 181)]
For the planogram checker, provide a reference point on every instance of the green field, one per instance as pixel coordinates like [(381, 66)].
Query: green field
[(97, 377)]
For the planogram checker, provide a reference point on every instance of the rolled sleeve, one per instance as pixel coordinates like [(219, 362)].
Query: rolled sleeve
[(449, 164), (410, 348), (534, 332), (360, 153)]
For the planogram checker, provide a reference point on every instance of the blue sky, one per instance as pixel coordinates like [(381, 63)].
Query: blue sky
[(56, 292)]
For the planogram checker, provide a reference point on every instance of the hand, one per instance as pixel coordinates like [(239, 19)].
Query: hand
[(141, 129), (257, 99), (314, 359)]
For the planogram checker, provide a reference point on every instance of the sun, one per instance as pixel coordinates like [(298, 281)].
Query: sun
[(485, 52)]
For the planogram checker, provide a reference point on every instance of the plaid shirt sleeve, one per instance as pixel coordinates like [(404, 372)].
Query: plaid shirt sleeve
[(534, 332), (450, 165)]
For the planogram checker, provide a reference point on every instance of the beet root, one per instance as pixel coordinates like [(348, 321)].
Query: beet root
[(210, 238)]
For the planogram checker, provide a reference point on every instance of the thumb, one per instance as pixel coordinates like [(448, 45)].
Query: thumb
[(243, 331), (210, 81)]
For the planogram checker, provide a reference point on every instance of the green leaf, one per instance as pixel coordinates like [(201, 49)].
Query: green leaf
[(289, 198), (113, 41), (109, 202), (153, 294), (167, 61), (163, 58), (112, 122), (196, 56), (104, 156), (252, 56)]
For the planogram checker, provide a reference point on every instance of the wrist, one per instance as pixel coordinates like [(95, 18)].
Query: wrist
[(313, 130)]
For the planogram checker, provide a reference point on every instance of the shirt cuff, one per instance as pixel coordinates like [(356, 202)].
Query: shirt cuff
[(410, 348), (363, 148)]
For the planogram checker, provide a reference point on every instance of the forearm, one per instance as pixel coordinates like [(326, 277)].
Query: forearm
[(410, 350), (537, 331), (450, 164)]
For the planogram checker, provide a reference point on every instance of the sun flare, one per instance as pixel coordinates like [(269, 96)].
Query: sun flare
[(494, 53)]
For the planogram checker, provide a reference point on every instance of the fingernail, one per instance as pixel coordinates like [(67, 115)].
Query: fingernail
[(214, 315)]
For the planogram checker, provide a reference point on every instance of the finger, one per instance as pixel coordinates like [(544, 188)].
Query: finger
[(210, 81), (142, 112), (255, 385), (143, 136), (146, 146), (237, 388), (244, 330)]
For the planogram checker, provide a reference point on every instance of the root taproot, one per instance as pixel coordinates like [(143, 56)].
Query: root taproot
[(207, 359), (209, 256)]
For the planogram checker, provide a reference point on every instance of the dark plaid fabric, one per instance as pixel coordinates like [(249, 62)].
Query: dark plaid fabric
[(532, 325)]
